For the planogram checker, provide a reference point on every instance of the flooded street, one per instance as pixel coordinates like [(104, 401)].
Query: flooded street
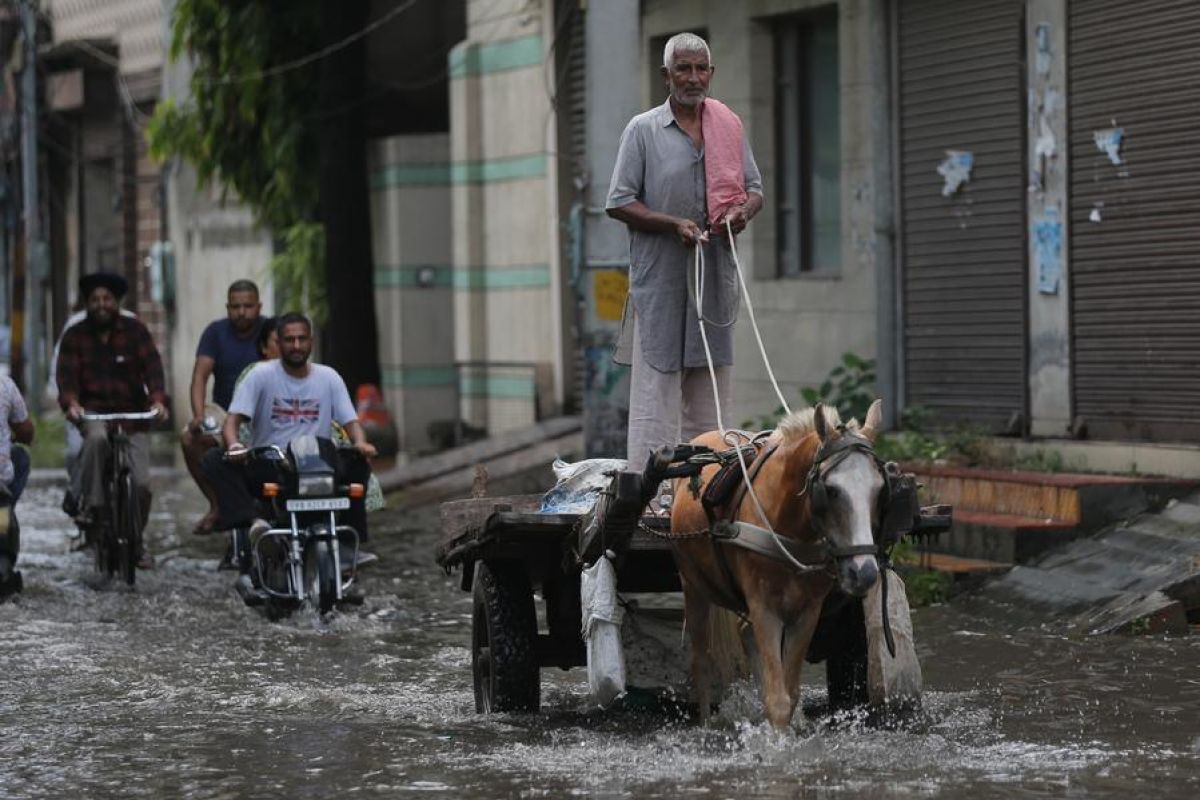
[(178, 690)]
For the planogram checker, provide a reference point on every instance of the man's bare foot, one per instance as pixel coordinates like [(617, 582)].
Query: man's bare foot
[(206, 524)]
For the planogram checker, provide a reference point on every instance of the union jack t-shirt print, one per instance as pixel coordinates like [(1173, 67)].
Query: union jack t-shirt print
[(291, 411)]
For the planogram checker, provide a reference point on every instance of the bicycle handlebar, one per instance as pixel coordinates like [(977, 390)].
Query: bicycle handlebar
[(119, 416)]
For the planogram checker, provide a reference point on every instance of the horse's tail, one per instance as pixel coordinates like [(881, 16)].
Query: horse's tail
[(730, 660)]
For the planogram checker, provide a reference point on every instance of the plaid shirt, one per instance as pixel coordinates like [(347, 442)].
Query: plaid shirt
[(123, 374)]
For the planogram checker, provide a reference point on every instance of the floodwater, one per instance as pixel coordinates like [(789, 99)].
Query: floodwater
[(177, 690)]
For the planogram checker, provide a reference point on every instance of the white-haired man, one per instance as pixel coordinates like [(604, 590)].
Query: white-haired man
[(665, 189)]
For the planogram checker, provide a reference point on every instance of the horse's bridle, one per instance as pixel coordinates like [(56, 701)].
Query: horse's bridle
[(830, 454)]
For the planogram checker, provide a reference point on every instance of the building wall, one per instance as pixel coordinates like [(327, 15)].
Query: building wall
[(213, 241), (136, 26), (213, 245), (503, 175), (121, 185), (414, 282), (808, 322)]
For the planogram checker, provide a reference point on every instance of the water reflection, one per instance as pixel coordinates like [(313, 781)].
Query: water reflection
[(178, 690)]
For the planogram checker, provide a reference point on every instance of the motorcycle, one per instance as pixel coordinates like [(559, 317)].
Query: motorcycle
[(300, 559)]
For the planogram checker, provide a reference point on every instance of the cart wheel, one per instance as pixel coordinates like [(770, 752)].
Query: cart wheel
[(504, 640)]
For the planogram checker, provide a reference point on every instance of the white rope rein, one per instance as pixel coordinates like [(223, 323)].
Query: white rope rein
[(698, 298)]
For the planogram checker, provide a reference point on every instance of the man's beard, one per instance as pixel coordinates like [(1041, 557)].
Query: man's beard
[(295, 360), (683, 100), (104, 322)]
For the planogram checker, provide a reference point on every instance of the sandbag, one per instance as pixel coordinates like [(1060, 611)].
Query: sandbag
[(894, 682), (602, 616), (579, 484)]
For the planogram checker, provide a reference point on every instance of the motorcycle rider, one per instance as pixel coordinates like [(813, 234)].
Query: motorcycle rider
[(283, 399)]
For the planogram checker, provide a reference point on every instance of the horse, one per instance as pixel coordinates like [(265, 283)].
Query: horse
[(822, 491)]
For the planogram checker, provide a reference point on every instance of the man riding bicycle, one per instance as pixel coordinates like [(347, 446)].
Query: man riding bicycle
[(108, 364)]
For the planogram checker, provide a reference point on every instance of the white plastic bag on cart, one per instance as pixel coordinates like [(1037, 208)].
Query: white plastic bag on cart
[(579, 484), (602, 616)]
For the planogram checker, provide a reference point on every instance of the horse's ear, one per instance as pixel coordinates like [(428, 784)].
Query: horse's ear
[(874, 420), (819, 423)]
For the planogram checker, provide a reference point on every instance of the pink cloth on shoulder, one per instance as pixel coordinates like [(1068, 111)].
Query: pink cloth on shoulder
[(724, 173)]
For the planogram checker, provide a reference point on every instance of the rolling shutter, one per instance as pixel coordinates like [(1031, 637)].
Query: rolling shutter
[(1135, 226), (961, 87)]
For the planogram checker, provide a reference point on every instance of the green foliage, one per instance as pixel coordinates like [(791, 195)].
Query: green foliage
[(49, 439), (1044, 461), (247, 122), (298, 283), (925, 587), (917, 441), (850, 388)]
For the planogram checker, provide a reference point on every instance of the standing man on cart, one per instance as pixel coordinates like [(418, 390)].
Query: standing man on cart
[(108, 364), (684, 178)]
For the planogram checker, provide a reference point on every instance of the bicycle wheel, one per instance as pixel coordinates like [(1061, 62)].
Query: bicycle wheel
[(128, 534), (98, 536), (320, 578)]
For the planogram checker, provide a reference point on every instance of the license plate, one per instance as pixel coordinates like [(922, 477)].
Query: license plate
[(330, 504)]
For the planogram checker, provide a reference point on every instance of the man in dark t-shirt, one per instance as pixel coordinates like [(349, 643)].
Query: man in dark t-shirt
[(226, 347)]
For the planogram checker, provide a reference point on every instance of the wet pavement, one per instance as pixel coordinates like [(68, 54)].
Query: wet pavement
[(178, 690)]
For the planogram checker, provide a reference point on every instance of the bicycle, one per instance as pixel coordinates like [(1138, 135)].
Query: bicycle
[(117, 536)]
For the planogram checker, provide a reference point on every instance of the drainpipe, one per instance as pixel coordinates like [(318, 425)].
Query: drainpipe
[(891, 320)]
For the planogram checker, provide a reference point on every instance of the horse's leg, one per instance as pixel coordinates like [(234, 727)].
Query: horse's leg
[(746, 631), (796, 639), (768, 634), (696, 611)]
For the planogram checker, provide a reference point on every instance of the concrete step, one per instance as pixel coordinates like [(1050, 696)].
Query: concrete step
[(1137, 576), (1015, 517), (514, 462), (1005, 538), (1080, 499), (959, 566)]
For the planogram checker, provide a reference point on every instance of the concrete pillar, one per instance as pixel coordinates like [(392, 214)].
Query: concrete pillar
[(1049, 287), (612, 98), (410, 207), (502, 186)]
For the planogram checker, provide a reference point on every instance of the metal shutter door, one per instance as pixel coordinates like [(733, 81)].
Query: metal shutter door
[(961, 87), (1135, 273)]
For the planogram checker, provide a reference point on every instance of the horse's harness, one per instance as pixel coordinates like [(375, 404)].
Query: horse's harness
[(896, 509), (724, 494)]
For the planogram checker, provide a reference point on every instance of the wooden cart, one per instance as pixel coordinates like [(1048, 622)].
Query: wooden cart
[(507, 551)]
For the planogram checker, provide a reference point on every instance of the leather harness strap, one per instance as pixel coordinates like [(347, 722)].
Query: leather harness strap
[(755, 466), (731, 585)]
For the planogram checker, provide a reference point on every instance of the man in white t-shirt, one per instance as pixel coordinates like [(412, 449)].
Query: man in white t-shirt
[(283, 399)]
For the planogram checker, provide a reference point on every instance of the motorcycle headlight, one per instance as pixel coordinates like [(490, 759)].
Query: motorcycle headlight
[(315, 485)]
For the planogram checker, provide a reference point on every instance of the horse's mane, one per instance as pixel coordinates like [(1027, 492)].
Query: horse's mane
[(798, 424)]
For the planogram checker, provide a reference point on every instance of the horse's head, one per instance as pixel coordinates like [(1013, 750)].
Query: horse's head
[(847, 491)]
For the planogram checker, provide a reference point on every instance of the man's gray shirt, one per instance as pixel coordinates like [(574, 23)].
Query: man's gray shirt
[(281, 407), (658, 165)]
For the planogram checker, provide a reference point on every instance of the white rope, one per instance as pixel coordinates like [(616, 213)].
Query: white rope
[(698, 298), (737, 265)]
